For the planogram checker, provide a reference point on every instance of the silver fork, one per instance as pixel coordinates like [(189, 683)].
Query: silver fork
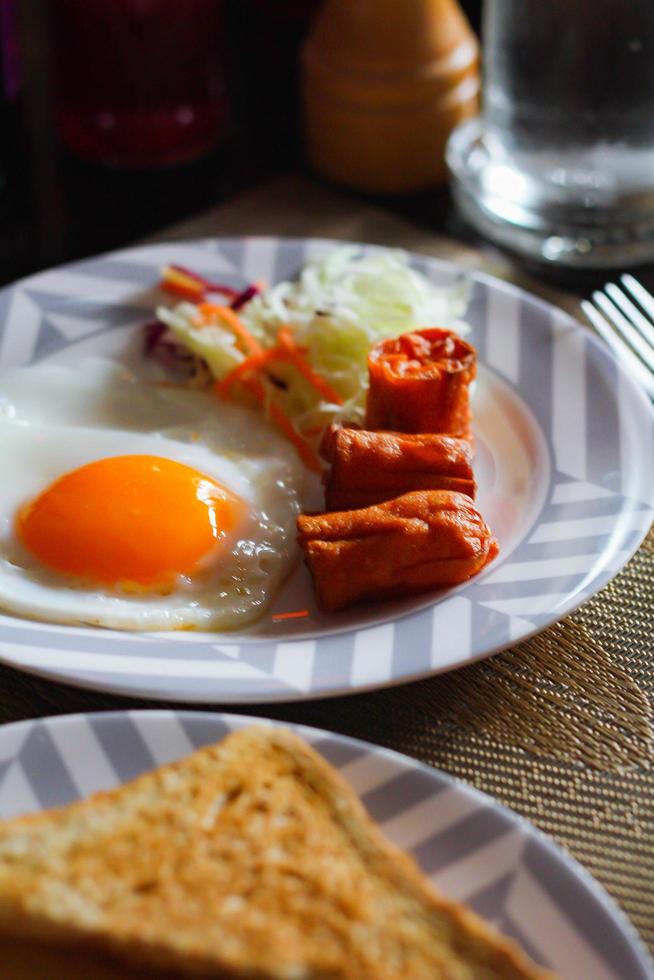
[(627, 328)]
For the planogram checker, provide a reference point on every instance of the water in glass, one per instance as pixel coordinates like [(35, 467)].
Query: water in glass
[(561, 162)]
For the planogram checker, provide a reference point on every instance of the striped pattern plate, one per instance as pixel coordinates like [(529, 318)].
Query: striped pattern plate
[(565, 465), (473, 849)]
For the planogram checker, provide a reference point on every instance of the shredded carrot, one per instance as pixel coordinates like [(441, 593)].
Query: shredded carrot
[(252, 363), (180, 284), (210, 312), (291, 615), (282, 421), (177, 289), (248, 372), (285, 339), (206, 285), (305, 451), (255, 387)]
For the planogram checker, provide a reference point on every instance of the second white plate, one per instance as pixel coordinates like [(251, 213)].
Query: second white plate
[(473, 849)]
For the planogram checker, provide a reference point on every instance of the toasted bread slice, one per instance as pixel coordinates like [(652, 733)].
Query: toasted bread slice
[(250, 858), (25, 959)]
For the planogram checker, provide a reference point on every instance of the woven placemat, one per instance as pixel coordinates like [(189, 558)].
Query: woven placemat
[(559, 728)]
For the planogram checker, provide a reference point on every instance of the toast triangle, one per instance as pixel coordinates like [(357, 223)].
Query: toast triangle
[(249, 858)]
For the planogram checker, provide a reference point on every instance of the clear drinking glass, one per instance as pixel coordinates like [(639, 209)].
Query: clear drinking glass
[(560, 164)]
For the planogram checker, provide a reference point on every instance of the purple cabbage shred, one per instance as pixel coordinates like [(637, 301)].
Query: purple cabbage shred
[(249, 293), (162, 345)]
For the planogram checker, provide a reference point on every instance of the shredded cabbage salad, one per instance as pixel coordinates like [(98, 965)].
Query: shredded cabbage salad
[(339, 306)]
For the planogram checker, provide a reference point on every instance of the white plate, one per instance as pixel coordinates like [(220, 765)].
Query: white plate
[(565, 467), (473, 849)]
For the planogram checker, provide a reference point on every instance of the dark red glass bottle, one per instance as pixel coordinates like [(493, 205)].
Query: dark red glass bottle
[(139, 83)]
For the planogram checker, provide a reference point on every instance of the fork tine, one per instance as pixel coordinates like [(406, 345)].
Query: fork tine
[(639, 292), (631, 311), (631, 362), (628, 333)]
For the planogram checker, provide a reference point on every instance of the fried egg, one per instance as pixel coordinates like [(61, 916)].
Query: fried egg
[(136, 506)]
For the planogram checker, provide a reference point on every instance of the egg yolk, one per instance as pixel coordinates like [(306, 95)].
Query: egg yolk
[(127, 520)]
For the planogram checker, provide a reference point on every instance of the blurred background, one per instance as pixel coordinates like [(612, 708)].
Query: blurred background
[(67, 191)]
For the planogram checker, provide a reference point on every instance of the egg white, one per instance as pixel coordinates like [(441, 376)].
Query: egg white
[(55, 419)]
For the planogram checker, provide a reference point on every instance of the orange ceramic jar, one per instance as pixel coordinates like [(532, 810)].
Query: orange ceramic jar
[(384, 83)]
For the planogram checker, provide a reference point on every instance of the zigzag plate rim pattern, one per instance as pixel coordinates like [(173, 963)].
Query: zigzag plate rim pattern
[(473, 848), (596, 506)]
